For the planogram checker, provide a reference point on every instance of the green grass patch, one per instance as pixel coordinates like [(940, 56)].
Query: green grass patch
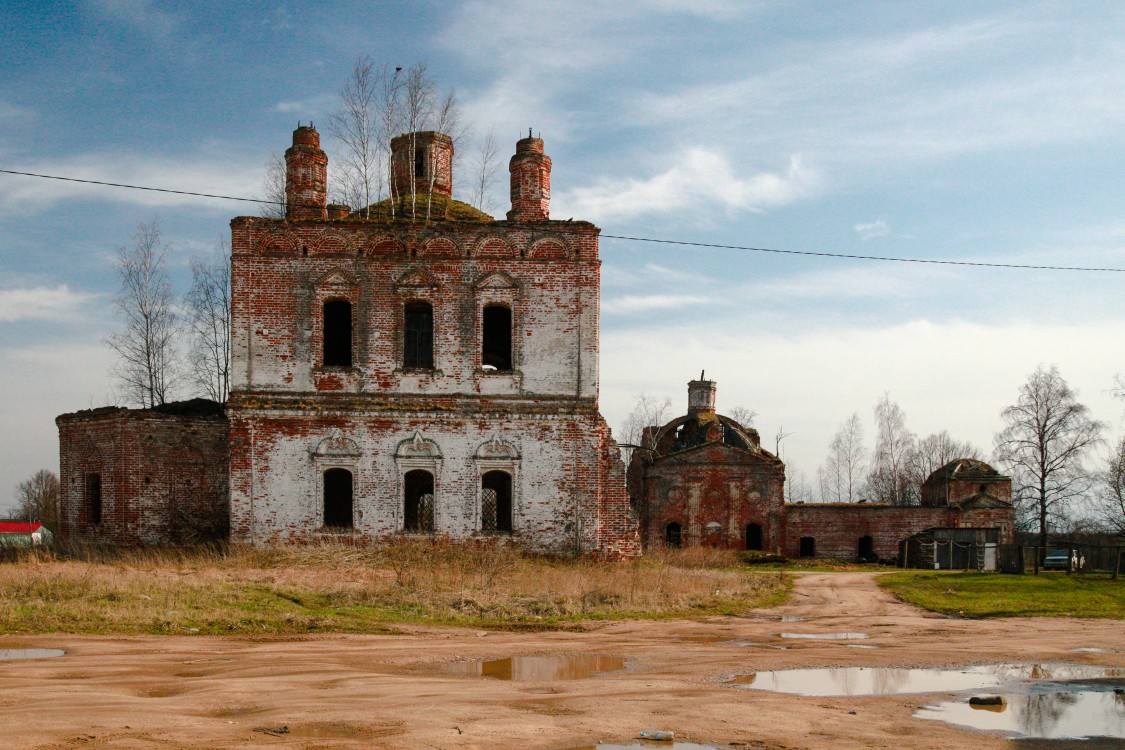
[(974, 594)]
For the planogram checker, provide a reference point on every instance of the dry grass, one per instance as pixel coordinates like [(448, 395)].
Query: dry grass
[(345, 588)]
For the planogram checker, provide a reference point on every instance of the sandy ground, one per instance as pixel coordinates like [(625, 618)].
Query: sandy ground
[(393, 691)]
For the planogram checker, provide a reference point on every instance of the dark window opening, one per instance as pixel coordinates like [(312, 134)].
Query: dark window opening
[(496, 502), (753, 536), (808, 546), (496, 338), (338, 333), (94, 498), (419, 162), (983, 489), (672, 535), (866, 549), (419, 502), (418, 336), (338, 498)]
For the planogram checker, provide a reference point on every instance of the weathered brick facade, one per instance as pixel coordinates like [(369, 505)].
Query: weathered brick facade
[(419, 356), (144, 476), (703, 479)]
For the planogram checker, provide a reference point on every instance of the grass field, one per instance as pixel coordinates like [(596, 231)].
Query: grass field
[(973, 594), (342, 588)]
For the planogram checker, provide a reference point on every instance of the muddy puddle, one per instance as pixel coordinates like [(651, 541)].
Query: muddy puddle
[(827, 636), (11, 654), (1043, 712), (894, 681), (543, 668)]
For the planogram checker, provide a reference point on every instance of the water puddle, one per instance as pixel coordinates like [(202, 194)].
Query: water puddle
[(1042, 713), (792, 618), (1093, 650), (893, 681), (827, 636), (11, 654), (539, 668)]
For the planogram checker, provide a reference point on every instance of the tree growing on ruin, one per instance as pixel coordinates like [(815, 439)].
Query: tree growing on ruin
[(363, 131), (1045, 440), (889, 480), (841, 475), (37, 499), (485, 171), (147, 359), (649, 411), (208, 310), (273, 189)]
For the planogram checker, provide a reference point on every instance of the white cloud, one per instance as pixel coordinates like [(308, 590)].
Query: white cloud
[(310, 107), (41, 303), (698, 179), (634, 304), (142, 15), (872, 229), (212, 173)]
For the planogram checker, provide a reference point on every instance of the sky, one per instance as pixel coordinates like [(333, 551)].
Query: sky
[(986, 132)]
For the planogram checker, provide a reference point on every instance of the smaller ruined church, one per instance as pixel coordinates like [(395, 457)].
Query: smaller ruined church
[(703, 479)]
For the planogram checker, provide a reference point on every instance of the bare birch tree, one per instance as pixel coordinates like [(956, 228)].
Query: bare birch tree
[(273, 188), (649, 411), (1109, 496), (485, 173), (208, 307), (935, 451), (357, 125), (448, 121), (889, 480), (1046, 437), (37, 499), (743, 415), (841, 475), (147, 360)]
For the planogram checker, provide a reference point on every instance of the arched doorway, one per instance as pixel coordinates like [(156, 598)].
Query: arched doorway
[(673, 536), (418, 516), (808, 546), (753, 536), (496, 502), (866, 549), (338, 498)]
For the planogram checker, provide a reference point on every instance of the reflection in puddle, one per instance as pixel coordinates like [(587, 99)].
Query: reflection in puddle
[(7, 654), (1042, 713), (889, 681), (539, 668), (792, 618), (1092, 650), (827, 636)]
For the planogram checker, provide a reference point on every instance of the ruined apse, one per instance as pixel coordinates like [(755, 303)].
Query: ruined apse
[(418, 367)]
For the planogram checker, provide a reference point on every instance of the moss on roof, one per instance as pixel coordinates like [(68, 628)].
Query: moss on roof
[(441, 208)]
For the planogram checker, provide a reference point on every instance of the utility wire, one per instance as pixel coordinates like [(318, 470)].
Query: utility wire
[(682, 243)]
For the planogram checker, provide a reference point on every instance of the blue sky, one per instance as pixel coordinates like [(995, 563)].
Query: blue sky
[(937, 130)]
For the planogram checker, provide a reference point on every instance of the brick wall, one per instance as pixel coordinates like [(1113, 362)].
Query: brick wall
[(163, 475)]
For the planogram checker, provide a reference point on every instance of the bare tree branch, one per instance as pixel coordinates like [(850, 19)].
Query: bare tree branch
[(37, 499), (208, 306), (841, 476), (148, 363), (485, 173), (890, 479)]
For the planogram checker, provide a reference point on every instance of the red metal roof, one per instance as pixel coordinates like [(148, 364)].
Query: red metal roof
[(19, 527)]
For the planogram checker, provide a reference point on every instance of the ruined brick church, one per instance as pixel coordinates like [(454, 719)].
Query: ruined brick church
[(416, 367)]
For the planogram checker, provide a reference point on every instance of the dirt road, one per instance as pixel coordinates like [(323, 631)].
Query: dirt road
[(397, 691)]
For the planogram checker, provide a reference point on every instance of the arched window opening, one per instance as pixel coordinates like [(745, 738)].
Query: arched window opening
[(337, 333), (808, 546), (338, 499), (672, 535), (418, 336), (419, 162), (866, 549), (983, 489), (419, 502), (496, 502), (496, 338), (753, 536), (94, 498)]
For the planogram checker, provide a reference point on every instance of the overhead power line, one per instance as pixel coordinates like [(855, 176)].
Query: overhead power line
[(682, 243)]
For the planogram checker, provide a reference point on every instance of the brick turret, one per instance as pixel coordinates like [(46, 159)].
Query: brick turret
[(531, 181), (701, 396), (306, 176), (419, 158)]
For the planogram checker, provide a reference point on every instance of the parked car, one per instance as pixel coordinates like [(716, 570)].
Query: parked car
[(1057, 559)]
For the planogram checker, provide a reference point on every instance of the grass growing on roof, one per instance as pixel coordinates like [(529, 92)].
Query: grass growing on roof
[(974, 594)]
